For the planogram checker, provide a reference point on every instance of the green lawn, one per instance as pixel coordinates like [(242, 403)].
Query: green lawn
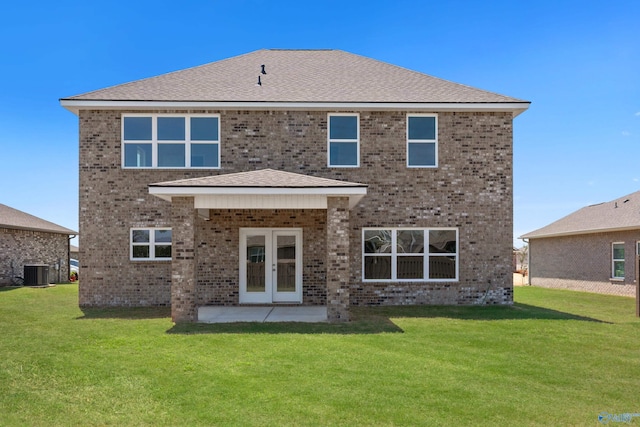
[(554, 358)]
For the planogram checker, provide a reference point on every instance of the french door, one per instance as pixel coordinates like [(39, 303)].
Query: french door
[(270, 265)]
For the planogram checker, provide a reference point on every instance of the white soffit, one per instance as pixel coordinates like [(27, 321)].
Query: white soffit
[(261, 202), (260, 198)]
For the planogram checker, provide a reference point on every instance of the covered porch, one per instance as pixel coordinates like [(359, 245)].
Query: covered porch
[(260, 238)]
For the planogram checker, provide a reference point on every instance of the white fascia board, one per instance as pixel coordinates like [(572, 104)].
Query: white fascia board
[(75, 105)]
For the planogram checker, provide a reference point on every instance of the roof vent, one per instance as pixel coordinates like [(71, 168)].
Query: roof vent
[(263, 71), (626, 201), (259, 82)]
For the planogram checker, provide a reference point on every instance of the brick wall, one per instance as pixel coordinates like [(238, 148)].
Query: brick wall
[(338, 274), (20, 247), (218, 251), (471, 189), (583, 262), (184, 261)]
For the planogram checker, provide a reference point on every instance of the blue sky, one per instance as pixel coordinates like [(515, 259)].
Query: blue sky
[(578, 62)]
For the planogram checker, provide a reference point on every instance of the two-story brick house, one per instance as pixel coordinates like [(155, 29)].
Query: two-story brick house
[(312, 177)]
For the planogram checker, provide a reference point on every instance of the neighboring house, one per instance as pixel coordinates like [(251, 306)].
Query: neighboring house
[(74, 252), (593, 249), (314, 177), (520, 259), (29, 240)]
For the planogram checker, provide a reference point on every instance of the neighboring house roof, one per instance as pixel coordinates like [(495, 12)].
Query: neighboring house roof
[(266, 188), (15, 219), (617, 215), (293, 76)]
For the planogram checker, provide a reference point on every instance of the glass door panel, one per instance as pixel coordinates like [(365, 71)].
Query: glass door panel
[(256, 273), (286, 259), (287, 265), (270, 265)]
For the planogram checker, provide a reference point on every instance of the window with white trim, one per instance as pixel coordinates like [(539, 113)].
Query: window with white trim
[(171, 141), (410, 254), (617, 260), (343, 140), (151, 244), (422, 140)]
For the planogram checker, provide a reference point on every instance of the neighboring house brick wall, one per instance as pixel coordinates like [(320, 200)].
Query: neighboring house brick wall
[(470, 189), (583, 262), (21, 247)]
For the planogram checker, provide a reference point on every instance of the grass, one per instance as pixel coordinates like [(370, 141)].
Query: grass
[(554, 358)]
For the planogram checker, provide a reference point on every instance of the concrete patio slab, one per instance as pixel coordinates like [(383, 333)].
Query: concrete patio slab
[(298, 314), (217, 314), (232, 314)]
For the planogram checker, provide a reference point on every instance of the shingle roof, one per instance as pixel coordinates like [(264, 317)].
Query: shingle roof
[(619, 214), (15, 219), (297, 76), (265, 178)]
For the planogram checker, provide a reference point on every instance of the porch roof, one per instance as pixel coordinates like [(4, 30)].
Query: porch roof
[(261, 189)]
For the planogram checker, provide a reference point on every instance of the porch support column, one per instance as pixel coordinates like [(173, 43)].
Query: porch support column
[(183, 260), (338, 259)]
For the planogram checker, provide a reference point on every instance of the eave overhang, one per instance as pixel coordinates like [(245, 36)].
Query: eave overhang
[(579, 232), (259, 197), (66, 232), (75, 105), (261, 189)]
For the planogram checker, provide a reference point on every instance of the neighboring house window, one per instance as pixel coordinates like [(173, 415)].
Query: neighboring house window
[(410, 254), (150, 244), (617, 262), (422, 140), (344, 140), (170, 141)]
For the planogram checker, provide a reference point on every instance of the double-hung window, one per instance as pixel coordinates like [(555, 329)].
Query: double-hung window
[(410, 254), (344, 140), (617, 260), (422, 140), (150, 244), (170, 141)]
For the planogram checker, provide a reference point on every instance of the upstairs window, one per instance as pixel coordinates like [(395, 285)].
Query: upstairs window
[(617, 260), (344, 140), (170, 141), (150, 244), (422, 141)]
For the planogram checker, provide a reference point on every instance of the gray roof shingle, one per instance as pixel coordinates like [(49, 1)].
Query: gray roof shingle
[(265, 178), (15, 219), (619, 214), (296, 76)]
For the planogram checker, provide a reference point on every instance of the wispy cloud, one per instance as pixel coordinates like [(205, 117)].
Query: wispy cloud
[(626, 133), (638, 114)]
